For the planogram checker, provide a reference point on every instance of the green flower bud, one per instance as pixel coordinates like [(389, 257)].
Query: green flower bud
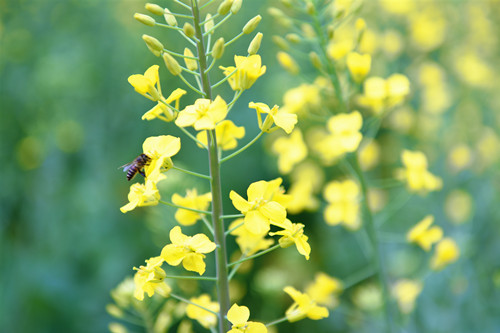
[(209, 23), (293, 38), (169, 18), (172, 64), (281, 42), (255, 44), (235, 8), (330, 31), (218, 49), (252, 24), (315, 60), (155, 9), (310, 8), (153, 44), (145, 19), (225, 7), (308, 30), (286, 3), (188, 30)]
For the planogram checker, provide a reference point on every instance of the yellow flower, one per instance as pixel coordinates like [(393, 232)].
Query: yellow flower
[(162, 111), (188, 250), (369, 155), (359, 65), (203, 115), (292, 233), (291, 150), (303, 306), (282, 119), (226, 133), (150, 279), (343, 203), (141, 195), (415, 173), (249, 242), (238, 316), (324, 290), (159, 149), (302, 99), (286, 61), (446, 253), (379, 93), (248, 70), (191, 200), (459, 206), (205, 318), (398, 87), (346, 128), (406, 292), (302, 193), (147, 84), (265, 204), (424, 236)]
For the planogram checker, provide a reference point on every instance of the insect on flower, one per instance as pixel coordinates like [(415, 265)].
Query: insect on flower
[(136, 166)]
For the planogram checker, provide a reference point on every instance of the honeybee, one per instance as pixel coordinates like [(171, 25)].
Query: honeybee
[(136, 166)]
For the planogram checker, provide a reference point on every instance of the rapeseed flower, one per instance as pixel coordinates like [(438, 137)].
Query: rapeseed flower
[(226, 133), (406, 292), (205, 318), (359, 65), (203, 115), (324, 290), (424, 236), (148, 84), (160, 149), (141, 195), (150, 279), (343, 204), (274, 116), (292, 233), (415, 173), (303, 306), (191, 200), (162, 110), (238, 316), (291, 150), (447, 252), (249, 242), (246, 72)]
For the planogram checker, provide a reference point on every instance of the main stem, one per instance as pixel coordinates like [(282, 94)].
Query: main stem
[(215, 184), (372, 234)]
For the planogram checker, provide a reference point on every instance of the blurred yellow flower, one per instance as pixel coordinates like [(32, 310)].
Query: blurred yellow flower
[(343, 204), (187, 249), (369, 155), (460, 157), (286, 61), (303, 198), (424, 236), (160, 149), (290, 150), (415, 173), (459, 206), (325, 289), (141, 195), (205, 318), (427, 28), (446, 252), (148, 84), (406, 292), (238, 316), (359, 65), (292, 233), (226, 133), (274, 116), (302, 99), (303, 306), (247, 71), (203, 115), (191, 200), (150, 279), (379, 93), (249, 242)]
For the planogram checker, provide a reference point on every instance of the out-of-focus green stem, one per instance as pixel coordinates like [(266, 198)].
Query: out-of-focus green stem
[(215, 184)]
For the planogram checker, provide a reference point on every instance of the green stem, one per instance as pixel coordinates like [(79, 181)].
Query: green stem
[(182, 299), (277, 321), (258, 254), (242, 149), (378, 265), (224, 79), (181, 277), (179, 55), (234, 216), (186, 208), (192, 137), (191, 86), (192, 173), (215, 185), (358, 277), (234, 228)]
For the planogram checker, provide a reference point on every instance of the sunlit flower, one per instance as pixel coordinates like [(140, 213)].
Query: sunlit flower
[(203, 115), (274, 116), (191, 200), (247, 71), (148, 84), (303, 306), (141, 195), (249, 242), (293, 233), (415, 173), (162, 111), (238, 316), (265, 204), (424, 236), (290, 150), (205, 318), (187, 249), (359, 65), (343, 204), (160, 149), (406, 292), (324, 290), (150, 279), (226, 133), (446, 252)]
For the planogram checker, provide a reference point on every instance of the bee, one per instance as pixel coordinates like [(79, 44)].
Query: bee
[(136, 166)]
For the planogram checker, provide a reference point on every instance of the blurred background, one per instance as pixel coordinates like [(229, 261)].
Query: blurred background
[(69, 119)]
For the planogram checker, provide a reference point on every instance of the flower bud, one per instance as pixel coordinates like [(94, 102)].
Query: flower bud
[(330, 31), (188, 30), (252, 24), (153, 44), (209, 23), (360, 24), (172, 64), (308, 30), (315, 60), (286, 3), (235, 8), (310, 8), (155, 9), (287, 62), (255, 44), (169, 18), (225, 7), (145, 19), (218, 49), (191, 64), (281, 42), (293, 38)]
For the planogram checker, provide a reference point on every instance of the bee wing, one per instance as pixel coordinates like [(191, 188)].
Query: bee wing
[(126, 167)]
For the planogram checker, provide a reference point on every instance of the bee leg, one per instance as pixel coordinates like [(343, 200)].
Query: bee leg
[(142, 173)]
